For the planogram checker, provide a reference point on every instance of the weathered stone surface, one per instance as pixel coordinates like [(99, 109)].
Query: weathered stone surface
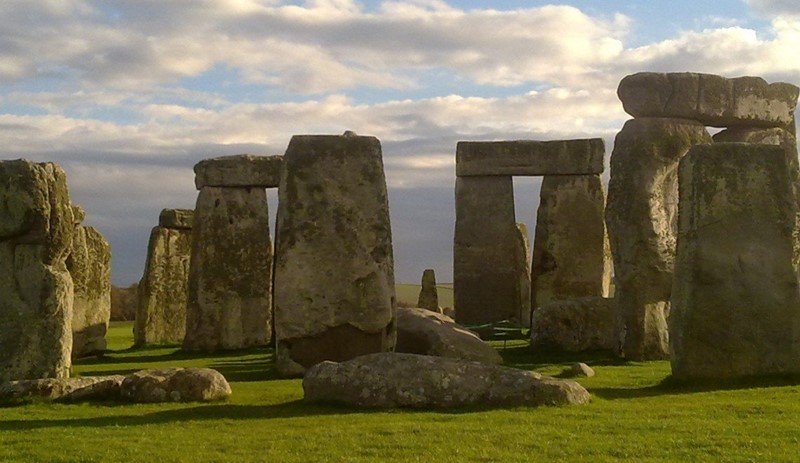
[(243, 170), (36, 292), (528, 157), (424, 332), (428, 295), (162, 291), (571, 254), (124, 302), (579, 369), (487, 282), (390, 380), (523, 270), (709, 99), (89, 265), (176, 218), (736, 299), (334, 274), (641, 215), (576, 325), (175, 385), (229, 298), (62, 389)]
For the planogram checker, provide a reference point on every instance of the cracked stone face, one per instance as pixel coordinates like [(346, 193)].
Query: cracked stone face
[(334, 276), (89, 264)]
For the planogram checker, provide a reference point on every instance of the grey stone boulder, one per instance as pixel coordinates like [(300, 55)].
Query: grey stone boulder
[(62, 389), (175, 385), (710, 99), (425, 332), (576, 325), (578, 369), (391, 380)]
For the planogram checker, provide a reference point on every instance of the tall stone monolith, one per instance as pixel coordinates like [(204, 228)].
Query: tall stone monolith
[(36, 292), (523, 262), (89, 264), (229, 301), (334, 276), (641, 215), (428, 295), (736, 298), (571, 254), (162, 291), (486, 237)]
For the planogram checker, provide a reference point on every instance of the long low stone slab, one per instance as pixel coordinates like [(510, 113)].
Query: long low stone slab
[(528, 157), (243, 170), (713, 100)]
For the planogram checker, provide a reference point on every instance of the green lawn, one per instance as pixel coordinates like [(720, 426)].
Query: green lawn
[(633, 417)]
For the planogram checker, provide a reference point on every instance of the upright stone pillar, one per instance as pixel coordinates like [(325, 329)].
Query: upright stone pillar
[(571, 255), (523, 262), (428, 295), (736, 298), (89, 265), (486, 278), (36, 292), (162, 292), (334, 275), (230, 271), (641, 215)]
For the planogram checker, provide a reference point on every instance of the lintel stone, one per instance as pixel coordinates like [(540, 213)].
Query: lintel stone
[(176, 219), (528, 157), (243, 170)]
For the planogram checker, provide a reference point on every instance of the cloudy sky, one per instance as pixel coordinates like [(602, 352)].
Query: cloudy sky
[(127, 95)]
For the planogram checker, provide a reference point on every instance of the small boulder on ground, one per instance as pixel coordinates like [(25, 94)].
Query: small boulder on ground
[(175, 385), (424, 332), (392, 380), (579, 369), (575, 325)]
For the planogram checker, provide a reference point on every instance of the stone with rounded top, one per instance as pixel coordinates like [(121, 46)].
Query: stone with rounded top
[(176, 218), (710, 99), (428, 295)]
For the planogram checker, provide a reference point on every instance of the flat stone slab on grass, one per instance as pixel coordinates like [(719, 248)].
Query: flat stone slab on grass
[(529, 157), (421, 331), (146, 386), (713, 100), (391, 380), (244, 170)]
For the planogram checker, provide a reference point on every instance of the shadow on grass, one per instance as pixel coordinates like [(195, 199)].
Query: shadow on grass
[(672, 386), (522, 357), (199, 413)]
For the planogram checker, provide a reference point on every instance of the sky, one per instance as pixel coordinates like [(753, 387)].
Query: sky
[(127, 95)]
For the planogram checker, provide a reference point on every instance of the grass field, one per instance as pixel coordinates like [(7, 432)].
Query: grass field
[(409, 294), (634, 416)]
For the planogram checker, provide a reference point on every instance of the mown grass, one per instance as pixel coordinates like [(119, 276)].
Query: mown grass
[(409, 294), (635, 416)]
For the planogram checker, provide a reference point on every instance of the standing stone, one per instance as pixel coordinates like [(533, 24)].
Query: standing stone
[(641, 216), (162, 293), (428, 296), (486, 283), (571, 255), (334, 274), (230, 271), (736, 299), (36, 292), (89, 265), (523, 261)]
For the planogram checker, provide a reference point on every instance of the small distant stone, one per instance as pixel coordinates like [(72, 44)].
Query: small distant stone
[(580, 369), (176, 385), (349, 133)]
